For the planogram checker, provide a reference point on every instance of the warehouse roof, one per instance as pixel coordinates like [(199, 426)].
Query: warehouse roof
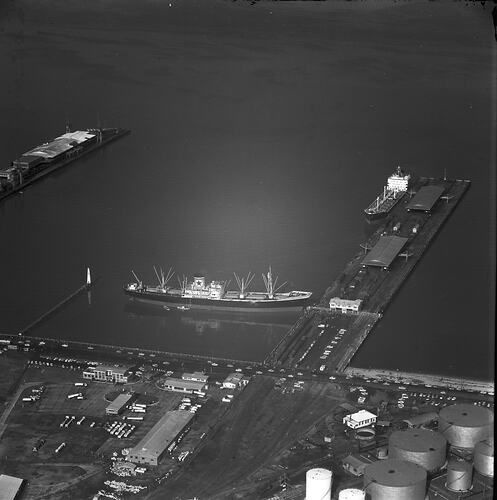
[(160, 436), (9, 486), (385, 251), (425, 198)]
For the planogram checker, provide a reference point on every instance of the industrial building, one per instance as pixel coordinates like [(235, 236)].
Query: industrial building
[(425, 198), (384, 252), (345, 305), (10, 487), (355, 464), (107, 373), (234, 380), (180, 385), (117, 406), (362, 418), (196, 377), (162, 437)]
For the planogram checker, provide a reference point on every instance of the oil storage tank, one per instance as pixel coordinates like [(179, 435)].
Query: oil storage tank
[(423, 447), (483, 459), (459, 475), (395, 479), (464, 425), (351, 494), (318, 484)]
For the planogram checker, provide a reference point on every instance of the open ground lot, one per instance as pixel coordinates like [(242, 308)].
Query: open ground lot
[(262, 422)]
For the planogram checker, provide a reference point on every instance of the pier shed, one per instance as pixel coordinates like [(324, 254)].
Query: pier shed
[(425, 198), (385, 251), (10, 487)]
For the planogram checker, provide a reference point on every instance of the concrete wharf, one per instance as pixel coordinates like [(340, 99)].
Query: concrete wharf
[(326, 340)]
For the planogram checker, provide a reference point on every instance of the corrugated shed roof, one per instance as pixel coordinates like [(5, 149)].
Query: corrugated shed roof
[(425, 198), (160, 436), (9, 486), (385, 251)]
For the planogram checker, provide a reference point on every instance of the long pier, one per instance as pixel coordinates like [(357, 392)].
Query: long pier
[(55, 308), (321, 349), (56, 165)]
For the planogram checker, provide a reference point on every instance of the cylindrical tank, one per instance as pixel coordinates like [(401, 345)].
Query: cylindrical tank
[(459, 475), (394, 479), (484, 457), (318, 484), (351, 494), (423, 447), (464, 425)]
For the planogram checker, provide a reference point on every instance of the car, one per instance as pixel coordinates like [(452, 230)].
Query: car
[(258, 372), (271, 370), (300, 374), (332, 378)]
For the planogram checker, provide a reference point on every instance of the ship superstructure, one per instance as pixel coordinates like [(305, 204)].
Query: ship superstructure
[(393, 191), (215, 294)]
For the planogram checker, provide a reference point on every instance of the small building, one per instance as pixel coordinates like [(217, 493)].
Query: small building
[(234, 381), (421, 419), (362, 418), (10, 487), (345, 305), (355, 464), (117, 406), (180, 385), (107, 373), (162, 437), (196, 377)]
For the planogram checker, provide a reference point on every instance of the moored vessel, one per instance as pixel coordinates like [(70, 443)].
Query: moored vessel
[(200, 293), (393, 192)]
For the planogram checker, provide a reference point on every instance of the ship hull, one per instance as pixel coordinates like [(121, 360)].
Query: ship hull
[(383, 211), (290, 304)]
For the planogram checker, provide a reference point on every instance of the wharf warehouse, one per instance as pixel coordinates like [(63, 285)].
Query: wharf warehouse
[(119, 403), (162, 437), (425, 198), (420, 446), (394, 479), (180, 385), (384, 252), (10, 487), (464, 424)]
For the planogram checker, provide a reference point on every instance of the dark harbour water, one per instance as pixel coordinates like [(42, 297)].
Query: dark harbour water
[(259, 134)]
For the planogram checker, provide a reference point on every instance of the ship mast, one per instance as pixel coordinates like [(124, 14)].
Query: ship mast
[(271, 287), (243, 283), (183, 282), (163, 280)]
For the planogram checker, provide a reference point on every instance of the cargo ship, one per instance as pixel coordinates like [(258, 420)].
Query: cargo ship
[(215, 294), (393, 192), (49, 156)]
